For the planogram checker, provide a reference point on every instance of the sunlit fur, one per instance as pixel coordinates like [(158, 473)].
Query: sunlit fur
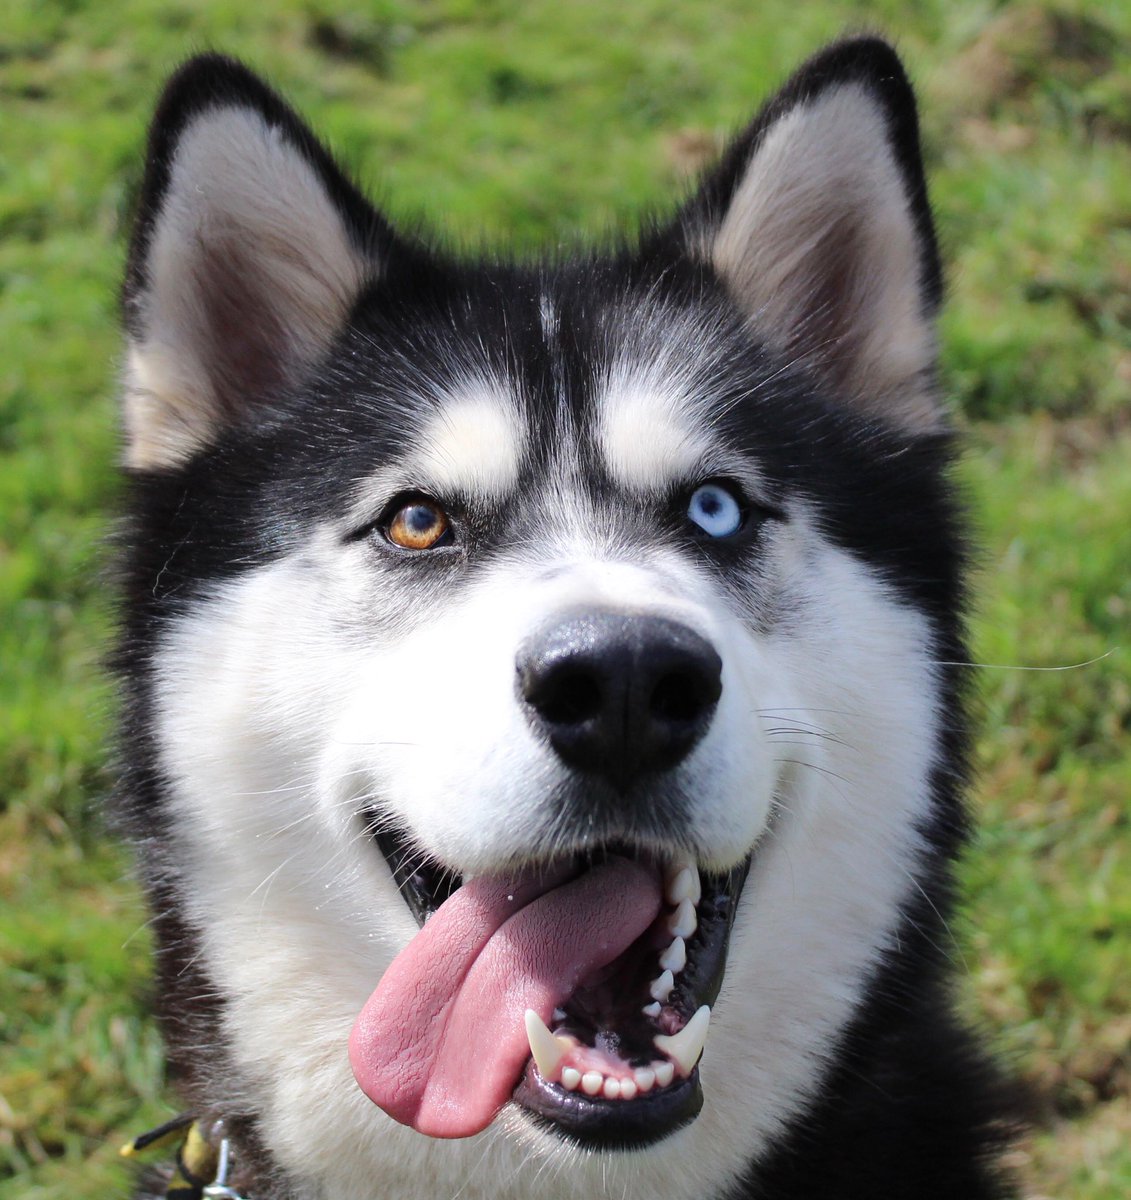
[(294, 682)]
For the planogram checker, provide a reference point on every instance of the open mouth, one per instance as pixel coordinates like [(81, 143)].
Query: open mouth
[(579, 989)]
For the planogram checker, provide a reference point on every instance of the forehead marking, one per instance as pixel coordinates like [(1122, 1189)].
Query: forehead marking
[(651, 435), (473, 444)]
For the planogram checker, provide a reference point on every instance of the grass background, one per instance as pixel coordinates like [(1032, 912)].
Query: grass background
[(527, 121)]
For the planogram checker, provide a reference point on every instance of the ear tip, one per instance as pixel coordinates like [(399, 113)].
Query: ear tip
[(207, 81), (866, 59)]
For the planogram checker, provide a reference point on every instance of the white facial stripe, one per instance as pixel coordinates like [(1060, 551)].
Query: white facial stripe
[(649, 435), (473, 445)]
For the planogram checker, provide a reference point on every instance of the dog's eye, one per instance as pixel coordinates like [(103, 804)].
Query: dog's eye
[(419, 525), (715, 509)]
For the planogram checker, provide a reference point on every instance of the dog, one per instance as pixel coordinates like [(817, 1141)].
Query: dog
[(544, 723)]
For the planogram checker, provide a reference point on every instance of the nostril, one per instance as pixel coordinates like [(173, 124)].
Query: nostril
[(567, 696), (679, 697)]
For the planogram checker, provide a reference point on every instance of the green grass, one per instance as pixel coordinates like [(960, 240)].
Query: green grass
[(534, 123)]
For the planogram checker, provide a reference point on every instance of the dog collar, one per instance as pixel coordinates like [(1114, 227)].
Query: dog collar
[(202, 1163)]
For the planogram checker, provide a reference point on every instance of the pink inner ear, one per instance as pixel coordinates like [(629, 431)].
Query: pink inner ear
[(244, 267)]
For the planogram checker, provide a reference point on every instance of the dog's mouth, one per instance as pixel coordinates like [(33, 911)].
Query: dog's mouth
[(581, 989)]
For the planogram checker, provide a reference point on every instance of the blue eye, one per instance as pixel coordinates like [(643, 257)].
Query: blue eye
[(715, 510)]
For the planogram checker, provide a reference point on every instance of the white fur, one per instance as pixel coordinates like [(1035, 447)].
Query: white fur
[(649, 438), (280, 708), (473, 445)]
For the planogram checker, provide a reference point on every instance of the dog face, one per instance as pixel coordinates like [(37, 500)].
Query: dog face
[(567, 640)]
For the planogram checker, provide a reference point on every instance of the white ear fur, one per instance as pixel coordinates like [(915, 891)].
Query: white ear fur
[(820, 248), (249, 273)]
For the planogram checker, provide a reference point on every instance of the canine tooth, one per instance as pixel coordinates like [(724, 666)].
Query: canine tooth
[(645, 1078), (665, 1072), (683, 921), (661, 987), (548, 1050), (653, 1009), (592, 1082), (684, 1048), (683, 885), (674, 958), (571, 1078), (628, 1089), (612, 1089)]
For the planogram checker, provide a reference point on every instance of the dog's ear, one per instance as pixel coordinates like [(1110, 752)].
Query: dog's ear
[(249, 249), (817, 222)]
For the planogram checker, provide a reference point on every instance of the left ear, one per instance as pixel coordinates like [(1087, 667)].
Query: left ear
[(249, 250), (818, 224)]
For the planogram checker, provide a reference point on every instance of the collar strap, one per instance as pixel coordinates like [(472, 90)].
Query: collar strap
[(201, 1167)]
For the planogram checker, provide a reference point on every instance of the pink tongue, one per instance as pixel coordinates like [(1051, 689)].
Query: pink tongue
[(441, 1043)]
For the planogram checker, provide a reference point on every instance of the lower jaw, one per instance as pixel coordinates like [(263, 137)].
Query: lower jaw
[(596, 1123)]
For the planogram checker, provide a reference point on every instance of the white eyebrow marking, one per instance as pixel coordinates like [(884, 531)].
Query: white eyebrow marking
[(473, 444), (649, 433)]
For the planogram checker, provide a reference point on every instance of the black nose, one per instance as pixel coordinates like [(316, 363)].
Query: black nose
[(620, 696)]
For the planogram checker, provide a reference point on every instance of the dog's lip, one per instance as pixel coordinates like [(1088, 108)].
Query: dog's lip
[(595, 1122)]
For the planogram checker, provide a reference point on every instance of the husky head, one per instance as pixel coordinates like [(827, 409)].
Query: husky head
[(541, 704)]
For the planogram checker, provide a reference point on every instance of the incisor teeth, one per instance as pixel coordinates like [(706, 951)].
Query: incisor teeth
[(645, 1078), (548, 1050), (612, 1089), (627, 1089), (683, 884), (674, 958), (684, 1048), (592, 1082), (661, 988), (571, 1078), (665, 1072), (683, 921)]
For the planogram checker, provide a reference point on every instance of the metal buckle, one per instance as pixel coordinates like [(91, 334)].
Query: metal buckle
[(218, 1189)]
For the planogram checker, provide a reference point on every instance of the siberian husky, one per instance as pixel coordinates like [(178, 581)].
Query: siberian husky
[(544, 705)]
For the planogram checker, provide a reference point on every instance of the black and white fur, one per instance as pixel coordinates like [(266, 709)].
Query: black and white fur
[(294, 364)]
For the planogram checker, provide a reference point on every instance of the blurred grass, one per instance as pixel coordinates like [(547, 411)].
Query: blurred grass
[(530, 123)]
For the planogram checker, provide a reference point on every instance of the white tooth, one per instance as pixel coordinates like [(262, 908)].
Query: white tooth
[(677, 883), (612, 1089), (645, 1078), (559, 1014), (683, 921), (665, 1072), (674, 958), (653, 1009), (661, 987), (684, 1048), (548, 1050), (683, 884), (571, 1077), (628, 1089), (592, 1082)]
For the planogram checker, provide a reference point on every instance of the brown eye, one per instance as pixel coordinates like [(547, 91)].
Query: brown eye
[(419, 525)]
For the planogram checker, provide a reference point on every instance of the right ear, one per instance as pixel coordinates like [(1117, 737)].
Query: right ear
[(249, 250)]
